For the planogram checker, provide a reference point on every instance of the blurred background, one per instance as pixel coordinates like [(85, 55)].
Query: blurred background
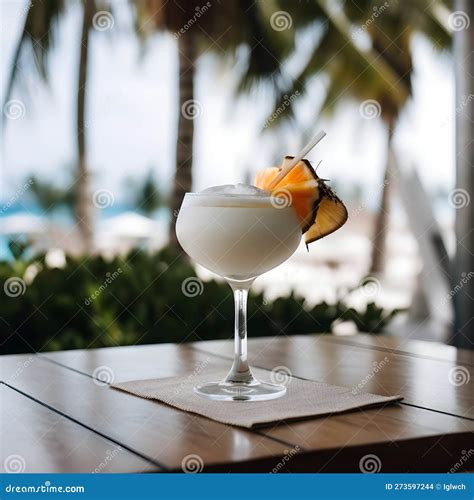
[(112, 110)]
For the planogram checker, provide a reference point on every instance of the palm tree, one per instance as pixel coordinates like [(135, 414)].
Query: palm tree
[(392, 38), (378, 76), (222, 27), (84, 207), (38, 33), (146, 196), (49, 196)]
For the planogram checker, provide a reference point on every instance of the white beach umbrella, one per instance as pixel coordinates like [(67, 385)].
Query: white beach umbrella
[(22, 224), (128, 225)]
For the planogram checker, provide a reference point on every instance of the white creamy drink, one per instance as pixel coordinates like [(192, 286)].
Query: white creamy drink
[(240, 232), (237, 231)]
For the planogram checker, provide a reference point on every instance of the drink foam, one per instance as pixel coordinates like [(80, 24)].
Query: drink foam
[(229, 195), (235, 190)]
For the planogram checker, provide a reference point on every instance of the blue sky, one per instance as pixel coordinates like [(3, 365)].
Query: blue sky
[(132, 116)]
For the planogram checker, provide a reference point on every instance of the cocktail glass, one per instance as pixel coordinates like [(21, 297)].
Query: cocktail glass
[(238, 237)]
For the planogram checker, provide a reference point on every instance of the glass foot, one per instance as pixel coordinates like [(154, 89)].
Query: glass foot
[(235, 391)]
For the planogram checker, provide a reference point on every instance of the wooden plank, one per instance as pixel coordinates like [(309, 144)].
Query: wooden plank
[(445, 454), (399, 345), (129, 362), (406, 439), (36, 439), (159, 432), (334, 443), (426, 383), (403, 438)]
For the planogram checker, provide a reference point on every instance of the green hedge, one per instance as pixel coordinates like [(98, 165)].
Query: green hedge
[(142, 299)]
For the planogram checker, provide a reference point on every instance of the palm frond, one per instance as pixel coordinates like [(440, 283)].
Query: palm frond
[(382, 71), (267, 47), (38, 34)]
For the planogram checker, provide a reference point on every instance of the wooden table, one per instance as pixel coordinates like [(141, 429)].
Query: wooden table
[(57, 417)]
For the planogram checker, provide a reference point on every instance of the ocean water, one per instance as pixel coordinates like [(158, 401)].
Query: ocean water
[(64, 219), (444, 214), (4, 251)]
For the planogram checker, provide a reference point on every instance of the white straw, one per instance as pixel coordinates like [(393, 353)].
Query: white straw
[(311, 144)]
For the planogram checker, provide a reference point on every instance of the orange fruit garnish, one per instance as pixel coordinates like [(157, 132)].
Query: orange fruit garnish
[(320, 211)]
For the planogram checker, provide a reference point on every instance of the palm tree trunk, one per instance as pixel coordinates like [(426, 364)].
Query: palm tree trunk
[(381, 220), (15, 64), (83, 206), (184, 144), (462, 197)]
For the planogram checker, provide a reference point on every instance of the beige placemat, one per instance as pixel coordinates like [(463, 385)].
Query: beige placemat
[(304, 398)]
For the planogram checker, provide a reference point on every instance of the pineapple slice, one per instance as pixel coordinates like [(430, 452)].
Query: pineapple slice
[(320, 211)]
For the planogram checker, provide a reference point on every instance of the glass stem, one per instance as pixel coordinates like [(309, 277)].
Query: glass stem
[(240, 371)]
